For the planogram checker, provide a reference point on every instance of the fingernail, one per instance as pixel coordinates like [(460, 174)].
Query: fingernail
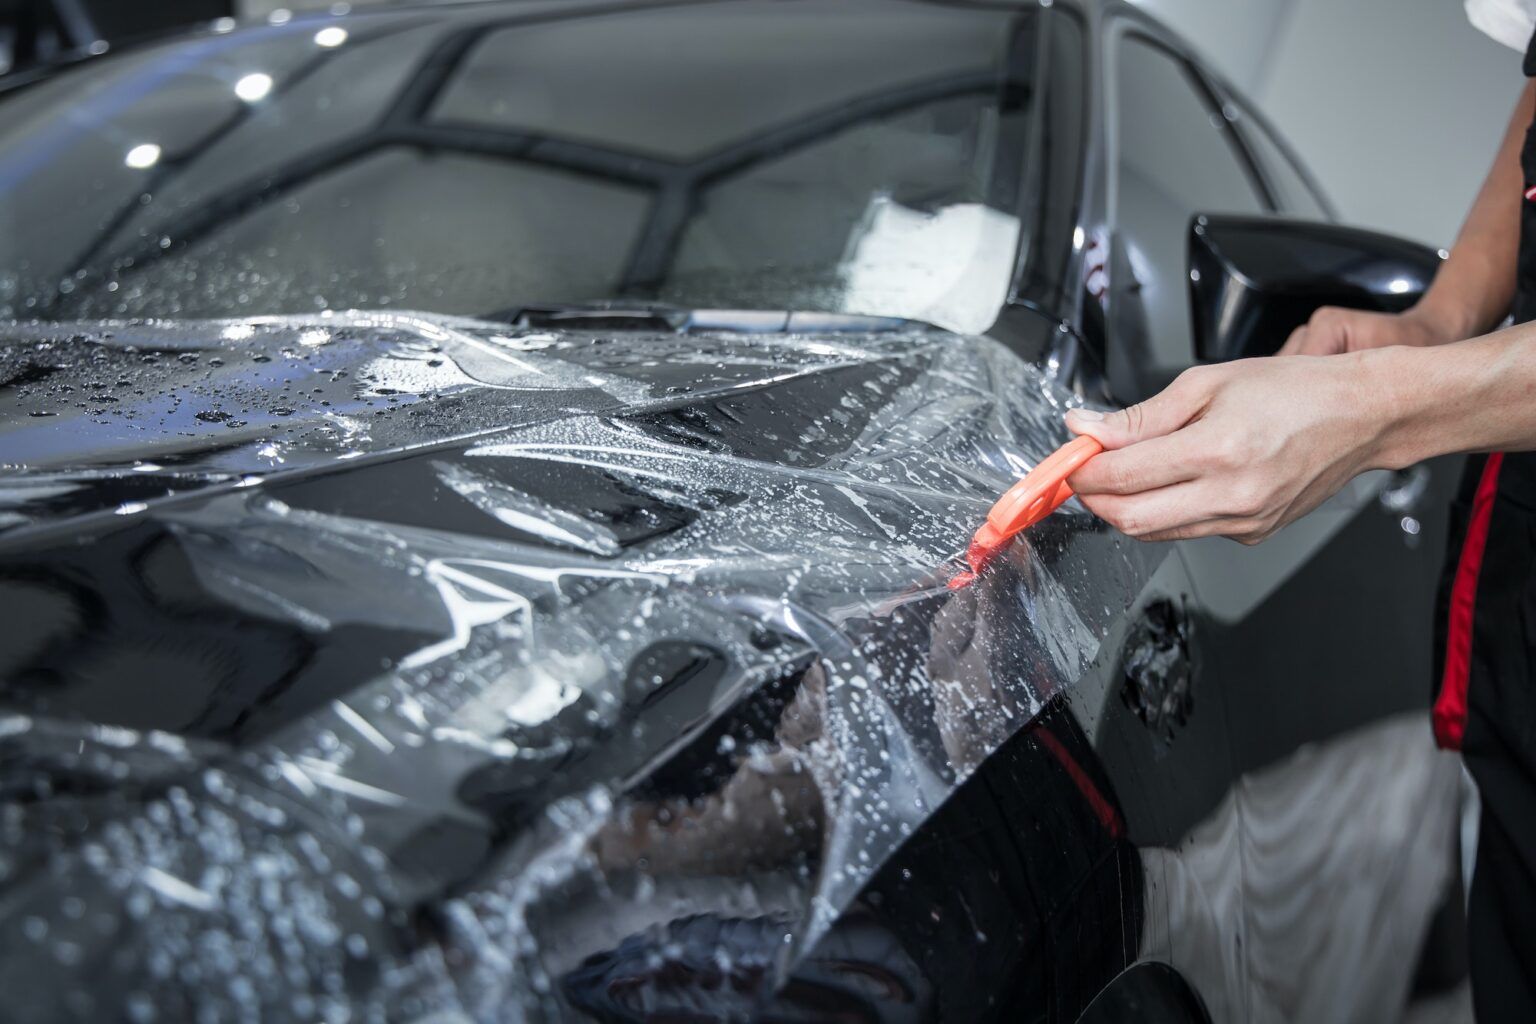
[(1087, 415)]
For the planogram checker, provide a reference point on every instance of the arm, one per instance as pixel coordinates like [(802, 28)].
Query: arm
[(1241, 449), (1475, 285), (1474, 396)]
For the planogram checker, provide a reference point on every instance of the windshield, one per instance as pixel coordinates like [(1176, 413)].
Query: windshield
[(806, 155)]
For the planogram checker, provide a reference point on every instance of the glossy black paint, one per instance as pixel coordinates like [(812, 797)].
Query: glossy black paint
[(1030, 890), (1146, 992), (1256, 279), (1046, 885)]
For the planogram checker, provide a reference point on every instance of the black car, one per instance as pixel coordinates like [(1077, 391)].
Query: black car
[(479, 489)]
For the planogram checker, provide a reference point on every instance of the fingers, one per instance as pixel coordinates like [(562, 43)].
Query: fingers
[(1325, 334), (1166, 472), (1150, 512), (1158, 462), (1161, 414), (1315, 339), (1244, 531), (1179, 512), (1296, 344)]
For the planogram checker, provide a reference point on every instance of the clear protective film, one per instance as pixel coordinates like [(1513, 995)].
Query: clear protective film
[(403, 667)]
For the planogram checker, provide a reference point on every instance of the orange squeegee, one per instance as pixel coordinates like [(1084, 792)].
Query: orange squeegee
[(1040, 493)]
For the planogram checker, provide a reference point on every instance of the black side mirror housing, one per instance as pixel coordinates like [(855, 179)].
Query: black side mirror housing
[(1255, 279)]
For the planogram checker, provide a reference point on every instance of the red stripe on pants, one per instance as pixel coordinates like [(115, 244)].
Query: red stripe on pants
[(1450, 716)]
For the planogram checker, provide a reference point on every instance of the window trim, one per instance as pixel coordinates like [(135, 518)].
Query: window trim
[(1205, 89), (1253, 120)]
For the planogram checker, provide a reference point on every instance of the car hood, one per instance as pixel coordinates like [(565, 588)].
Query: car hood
[(402, 662)]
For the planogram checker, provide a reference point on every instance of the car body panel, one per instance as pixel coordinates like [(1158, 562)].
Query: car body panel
[(472, 651)]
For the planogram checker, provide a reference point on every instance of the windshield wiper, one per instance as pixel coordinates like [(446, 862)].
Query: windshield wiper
[(614, 316), (621, 316)]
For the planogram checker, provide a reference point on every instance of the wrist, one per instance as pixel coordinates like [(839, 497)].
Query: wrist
[(1395, 423), (1443, 318), (1459, 398)]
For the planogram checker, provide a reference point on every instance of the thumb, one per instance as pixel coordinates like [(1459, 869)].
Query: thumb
[(1161, 414)]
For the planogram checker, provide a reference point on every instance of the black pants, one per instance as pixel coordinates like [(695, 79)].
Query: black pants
[(1487, 708)]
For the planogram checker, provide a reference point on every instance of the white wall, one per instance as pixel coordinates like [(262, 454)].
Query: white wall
[(1396, 105)]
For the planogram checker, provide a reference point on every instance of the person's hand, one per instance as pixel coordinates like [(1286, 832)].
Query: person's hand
[(1238, 449), (1332, 330)]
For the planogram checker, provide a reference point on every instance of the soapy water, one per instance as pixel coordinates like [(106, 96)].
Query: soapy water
[(405, 667)]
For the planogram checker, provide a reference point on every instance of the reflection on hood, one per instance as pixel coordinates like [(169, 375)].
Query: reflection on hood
[(393, 665)]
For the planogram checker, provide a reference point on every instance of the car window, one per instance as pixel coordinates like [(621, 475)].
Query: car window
[(898, 204), (478, 159), (363, 237), (1176, 158), (1286, 182)]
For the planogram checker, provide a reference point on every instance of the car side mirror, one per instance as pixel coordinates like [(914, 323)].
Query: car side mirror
[(1255, 279)]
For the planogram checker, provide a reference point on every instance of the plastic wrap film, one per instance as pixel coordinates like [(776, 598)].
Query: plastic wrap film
[(399, 667)]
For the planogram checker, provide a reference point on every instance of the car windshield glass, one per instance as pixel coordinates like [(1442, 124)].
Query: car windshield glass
[(805, 155)]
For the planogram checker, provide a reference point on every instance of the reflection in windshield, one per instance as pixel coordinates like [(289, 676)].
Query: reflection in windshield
[(467, 161)]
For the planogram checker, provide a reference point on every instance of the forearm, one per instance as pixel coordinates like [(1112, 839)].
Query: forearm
[(1475, 285), (1471, 396)]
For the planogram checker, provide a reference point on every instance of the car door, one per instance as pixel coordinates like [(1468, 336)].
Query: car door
[(1318, 640)]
